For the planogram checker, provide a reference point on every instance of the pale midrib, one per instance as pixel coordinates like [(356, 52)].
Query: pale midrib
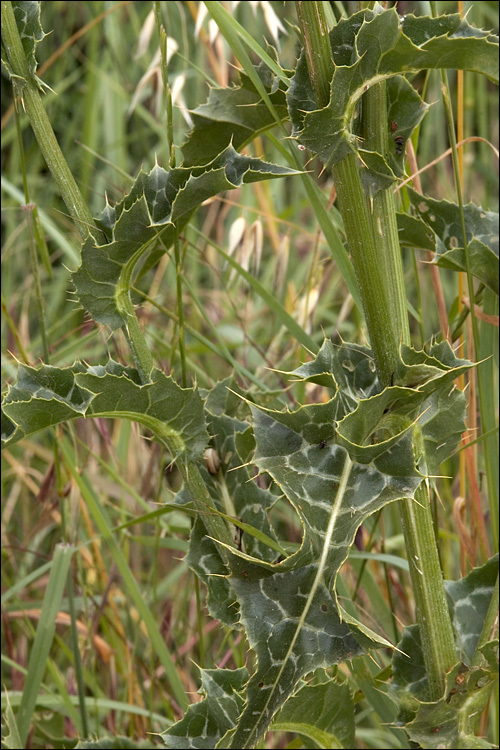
[(335, 512)]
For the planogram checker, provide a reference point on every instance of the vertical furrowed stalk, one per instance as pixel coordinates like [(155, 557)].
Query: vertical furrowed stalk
[(371, 232)]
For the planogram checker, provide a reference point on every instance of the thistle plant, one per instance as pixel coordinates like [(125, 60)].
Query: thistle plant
[(391, 415)]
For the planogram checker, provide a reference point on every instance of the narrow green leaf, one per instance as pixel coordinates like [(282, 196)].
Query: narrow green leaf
[(43, 637), (102, 522), (25, 581), (285, 318), (108, 743), (99, 705), (231, 29), (71, 255)]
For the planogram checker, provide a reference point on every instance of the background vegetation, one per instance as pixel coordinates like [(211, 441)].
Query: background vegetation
[(107, 110)]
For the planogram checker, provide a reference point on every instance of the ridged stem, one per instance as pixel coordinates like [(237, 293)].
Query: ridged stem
[(371, 268), (26, 87), (371, 232)]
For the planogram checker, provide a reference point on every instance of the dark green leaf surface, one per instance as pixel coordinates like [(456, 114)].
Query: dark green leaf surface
[(235, 494), (159, 202), (336, 366), (204, 559), (207, 721), (232, 115), (452, 721), (49, 395), (469, 600), (321, 713), (449, 722), (369, 47), (438, 228), (337, 463), (27, 15)]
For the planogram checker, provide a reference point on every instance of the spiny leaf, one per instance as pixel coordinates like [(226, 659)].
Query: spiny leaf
[(469, 600), (204, 723), (405, 111), (204, 559), (452, 722), (410, 678), (232, 115), (427, 370), (337, 463), (338, 366), (322, 713), (234, 493), (369, 47), (271, 610), (438, 228), (449, 722), (27, 15), (158, 203), (49, 395)]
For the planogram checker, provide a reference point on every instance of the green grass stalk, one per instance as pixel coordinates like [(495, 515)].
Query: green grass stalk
[(484, 380), (27, 88)]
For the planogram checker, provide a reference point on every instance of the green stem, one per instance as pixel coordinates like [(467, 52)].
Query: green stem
[(199, 621), (431, 606), (367, 258), (133, 332), (180, 308), (373, 242), (369, 267), (36, 280), (166, 85), (37, 229), (76, 653), (26, 86), (314, 27), (214, 523), (383, 212)]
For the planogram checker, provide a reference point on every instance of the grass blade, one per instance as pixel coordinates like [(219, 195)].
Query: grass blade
[(103, 524), (43, 638), (293, 327)]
